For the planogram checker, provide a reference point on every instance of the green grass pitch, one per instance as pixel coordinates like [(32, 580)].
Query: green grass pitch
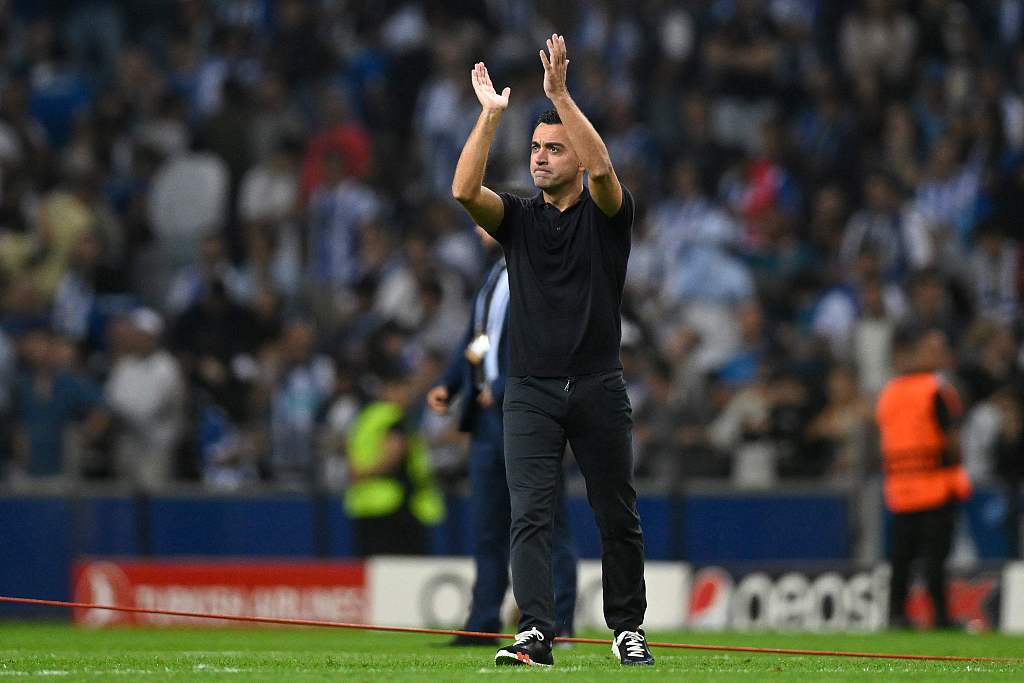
[(61, 652)]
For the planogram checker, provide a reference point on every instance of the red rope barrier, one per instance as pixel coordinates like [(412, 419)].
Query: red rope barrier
[(449, 632)]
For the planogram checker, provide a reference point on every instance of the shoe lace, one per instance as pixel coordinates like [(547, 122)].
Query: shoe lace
[(633, 642), (526, 636)]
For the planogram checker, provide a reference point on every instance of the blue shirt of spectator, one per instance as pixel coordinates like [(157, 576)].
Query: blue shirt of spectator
[(45, 416)]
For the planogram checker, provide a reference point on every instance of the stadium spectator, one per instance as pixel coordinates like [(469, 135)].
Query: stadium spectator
[(146, 397), (919, 417), (391, 496), (215, 340), (879, 227), (872, 336), (1009, 465), (837, 435), (340, 209), (341, 149), (993, 272), (194, 281), (879, 38), (299, 383), (268, 207), (86, 295), (48, 401), (188, 201), (742, 432)]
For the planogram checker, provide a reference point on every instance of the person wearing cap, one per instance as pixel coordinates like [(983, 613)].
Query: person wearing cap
[(146, 394)]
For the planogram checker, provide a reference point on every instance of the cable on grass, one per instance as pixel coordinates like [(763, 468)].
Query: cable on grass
[(450, 632)]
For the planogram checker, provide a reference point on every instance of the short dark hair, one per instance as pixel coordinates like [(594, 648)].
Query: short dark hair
[(549, 117), (908, 335)]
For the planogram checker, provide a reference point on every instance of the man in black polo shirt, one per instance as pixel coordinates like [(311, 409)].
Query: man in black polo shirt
[(566, 251)]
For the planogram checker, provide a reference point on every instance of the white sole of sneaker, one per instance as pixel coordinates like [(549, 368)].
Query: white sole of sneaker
[(504, 658)]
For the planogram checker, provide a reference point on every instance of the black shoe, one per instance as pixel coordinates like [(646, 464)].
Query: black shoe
[(631, 648), (530, 649)]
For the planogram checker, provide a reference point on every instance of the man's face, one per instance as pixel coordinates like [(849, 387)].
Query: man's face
[(36, 348), (299, 339), (553, 163), (933, 352)]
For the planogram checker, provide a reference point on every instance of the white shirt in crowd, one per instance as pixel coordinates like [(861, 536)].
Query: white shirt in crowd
[(268, 194), (337, 217), (189, 197), (146, 394)]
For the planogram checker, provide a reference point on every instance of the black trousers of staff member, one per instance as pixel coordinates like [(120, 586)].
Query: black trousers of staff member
[(927, 534), (593, 414)]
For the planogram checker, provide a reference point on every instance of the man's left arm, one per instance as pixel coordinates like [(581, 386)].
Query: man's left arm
[(602, 182), (948, 413)]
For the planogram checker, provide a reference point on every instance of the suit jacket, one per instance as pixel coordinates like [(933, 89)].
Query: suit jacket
[(458, 378)]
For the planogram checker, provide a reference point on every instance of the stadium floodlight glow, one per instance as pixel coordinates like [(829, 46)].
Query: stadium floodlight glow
[(450, 632)]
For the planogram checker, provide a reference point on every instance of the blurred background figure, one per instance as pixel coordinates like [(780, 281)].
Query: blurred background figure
[(51, 398), (145, 393), (391, 497), (919, 418)]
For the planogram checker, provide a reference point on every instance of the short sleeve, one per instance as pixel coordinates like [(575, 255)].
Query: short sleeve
[(512, 218), (623, 218)]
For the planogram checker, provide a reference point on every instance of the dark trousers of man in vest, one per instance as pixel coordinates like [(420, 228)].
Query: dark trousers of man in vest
[(593, 413), (489, 514), (927, 534)]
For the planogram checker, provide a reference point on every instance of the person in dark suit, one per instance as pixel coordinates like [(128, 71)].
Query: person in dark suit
[(477, 372)]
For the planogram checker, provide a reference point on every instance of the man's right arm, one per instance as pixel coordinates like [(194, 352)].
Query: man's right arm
[(483, 204), (453, 375)]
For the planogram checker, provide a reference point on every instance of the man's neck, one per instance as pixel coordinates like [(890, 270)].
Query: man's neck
[(563, 198)]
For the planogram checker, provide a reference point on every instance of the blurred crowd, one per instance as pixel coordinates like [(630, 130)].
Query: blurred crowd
[(226, 225)]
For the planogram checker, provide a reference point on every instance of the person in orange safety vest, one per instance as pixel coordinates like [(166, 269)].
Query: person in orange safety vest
[(918, 416)]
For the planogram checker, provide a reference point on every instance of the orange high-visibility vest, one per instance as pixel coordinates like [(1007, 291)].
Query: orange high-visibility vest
[(913, 445)]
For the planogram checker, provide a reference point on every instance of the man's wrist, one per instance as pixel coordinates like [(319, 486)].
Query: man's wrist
[(561, 97), (491, 114)]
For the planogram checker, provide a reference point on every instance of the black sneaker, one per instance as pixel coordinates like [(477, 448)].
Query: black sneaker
[(530, 649), (631, 648)]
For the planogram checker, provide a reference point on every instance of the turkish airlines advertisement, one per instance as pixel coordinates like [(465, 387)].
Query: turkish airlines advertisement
[(327, 591)]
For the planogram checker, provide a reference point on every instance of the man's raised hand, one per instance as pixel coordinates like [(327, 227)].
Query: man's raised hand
[(555, 66), (484, 89)]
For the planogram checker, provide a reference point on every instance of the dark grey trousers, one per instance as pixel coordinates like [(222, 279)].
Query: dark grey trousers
[(593, 414)]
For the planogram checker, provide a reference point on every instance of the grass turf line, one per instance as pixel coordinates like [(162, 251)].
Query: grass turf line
[(57, 651)]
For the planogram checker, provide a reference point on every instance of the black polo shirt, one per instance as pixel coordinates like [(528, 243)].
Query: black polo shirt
[(566, 272)]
